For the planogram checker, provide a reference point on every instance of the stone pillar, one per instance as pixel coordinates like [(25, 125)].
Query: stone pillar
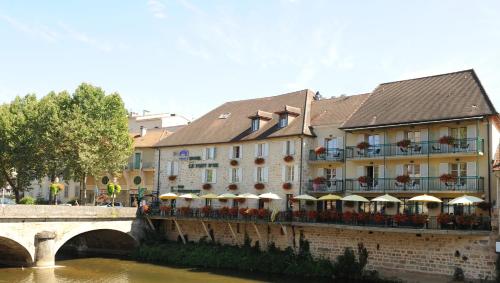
[(44, 249)]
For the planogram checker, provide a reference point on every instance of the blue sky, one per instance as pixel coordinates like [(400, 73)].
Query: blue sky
[(187, 56)]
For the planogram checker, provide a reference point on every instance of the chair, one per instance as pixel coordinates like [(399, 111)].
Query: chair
[(403, 150), (436, 148), (417, 148), (376, 151), (464, 147), (399, 185)]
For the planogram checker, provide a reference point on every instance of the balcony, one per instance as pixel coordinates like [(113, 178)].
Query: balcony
[(461, 146), (143, 166), (325, 186), (472, 184), (330, 155)]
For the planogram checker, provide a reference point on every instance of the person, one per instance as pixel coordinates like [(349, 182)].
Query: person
[(382, 210)]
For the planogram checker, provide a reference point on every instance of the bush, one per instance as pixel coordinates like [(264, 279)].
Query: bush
[(27, 200)]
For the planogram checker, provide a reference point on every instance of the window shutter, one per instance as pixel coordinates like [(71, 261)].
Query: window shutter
[(203, 174), (241, 151), (231, 152), (360, 171), (176, 168), (214, 176), (381, 171), (424, 135), (255, 174), (292, 147), (284, 147), (283, 173), (338, 173), (471, 169), (443, 131), (204, 154), (443, 168), (169, 168), (230, 175), (296, 173), (399, 170), (400, 135), (240, 175), (266, 149), (214, 150), (256, 150), (340, 142), (266, 173), (424, 169)]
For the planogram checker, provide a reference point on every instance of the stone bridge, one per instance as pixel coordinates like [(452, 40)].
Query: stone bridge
[(32, 235)]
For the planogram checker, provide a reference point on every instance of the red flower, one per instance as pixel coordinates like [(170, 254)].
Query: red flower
[(319, 180), (403, 179), (233, 211), (362, 217), (233, 187), (320, 150), (244, 211), (253, 212), (288, 158), (263, 213), (400, 218), (224, 211), (447, 140), (444, 218), (207, 186), (259, 186), (234, 162), (419, 219), (312, 214), (206, 209), (363, 145), (379, 218), (259, 160), (287, 186), (447, 178), (403, 143), (172, 177), (363, 179)]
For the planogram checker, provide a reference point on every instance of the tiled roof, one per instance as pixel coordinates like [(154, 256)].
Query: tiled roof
[(152, 137), (434, 98), (230, 123), (335, 111)]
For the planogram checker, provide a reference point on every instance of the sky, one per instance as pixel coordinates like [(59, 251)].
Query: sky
[(187, 57)]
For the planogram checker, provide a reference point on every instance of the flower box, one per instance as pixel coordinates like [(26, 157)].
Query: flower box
[(449, 140), (320, 150), (319, 180), (259, 161), (172, 177), (403, 179), (363, 179), (207, 186), (287, 186), (446, 178), (288, 158), (234, 162), (362, 145), (403, 143), (259, 186), (233, 187)]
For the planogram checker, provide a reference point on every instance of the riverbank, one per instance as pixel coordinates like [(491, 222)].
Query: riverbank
[(247, 258)]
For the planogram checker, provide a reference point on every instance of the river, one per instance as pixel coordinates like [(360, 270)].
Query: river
[(116, 270)]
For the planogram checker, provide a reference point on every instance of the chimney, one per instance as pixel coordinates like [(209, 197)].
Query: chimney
[(143, 131)]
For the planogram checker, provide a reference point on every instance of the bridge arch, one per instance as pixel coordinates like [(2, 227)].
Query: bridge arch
[(105, 239), (13, 253)]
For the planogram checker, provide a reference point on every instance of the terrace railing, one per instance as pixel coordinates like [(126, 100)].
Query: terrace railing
[(325, 186), (330, 154), (471, 184)]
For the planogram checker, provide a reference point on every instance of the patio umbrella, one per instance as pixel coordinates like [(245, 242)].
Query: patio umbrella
[(168, 196), (355, 198), (269, 196), (465, 199), (305, 197), (330, 197), (189, 196), (425, 198), (209, 196), (247, 196), (386, 198), (227, 196)]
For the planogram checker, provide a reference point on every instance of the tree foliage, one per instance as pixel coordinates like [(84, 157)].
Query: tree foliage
[(74, 136)]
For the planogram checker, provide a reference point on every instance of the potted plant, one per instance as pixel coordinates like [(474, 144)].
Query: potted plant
[(319, 180), (233, 211), (224, 211), (449, 140), (287, 186), (447, 178), (419, 219), (400, 218), (362, 217), (259, 161), (234, 162), (243, 211), (259, 186), (444, 219), (172, 177), (288, 158), (253, 212), (362, 145), (207, 186), (320, 150), (312, 215), (363, 179), (379, 218), (404, 143), (233, 187), (347, 217), (403, 179), (223, 200)]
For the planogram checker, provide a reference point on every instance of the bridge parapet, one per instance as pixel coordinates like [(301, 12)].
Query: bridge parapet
[(65, 212)]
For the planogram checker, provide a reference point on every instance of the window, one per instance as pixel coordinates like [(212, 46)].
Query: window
[(413, 136), (235, 175), (289, 148), (210, 176), (210, 153), (374, 139), (261, 174), (330, 173), (283, 120), (260, 150), (458, 169), (412, 170), (137, 160), (289, 173), (255, 124), (460, 134), (330, 143), (66, 192), (236, 152)]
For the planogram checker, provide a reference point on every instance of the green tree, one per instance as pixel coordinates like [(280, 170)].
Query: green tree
[(113, 189)]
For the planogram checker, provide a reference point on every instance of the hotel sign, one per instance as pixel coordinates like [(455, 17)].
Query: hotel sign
[(203, 165)]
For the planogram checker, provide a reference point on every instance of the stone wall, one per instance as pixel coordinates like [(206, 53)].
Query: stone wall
[(432, 252)]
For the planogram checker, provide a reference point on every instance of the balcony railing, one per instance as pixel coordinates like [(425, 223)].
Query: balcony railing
[(471, 184), (331, 154), (139, 166), (326, 186), (469, 145), (416, 221)]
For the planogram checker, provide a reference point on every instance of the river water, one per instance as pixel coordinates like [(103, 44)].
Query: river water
[(116, 270)]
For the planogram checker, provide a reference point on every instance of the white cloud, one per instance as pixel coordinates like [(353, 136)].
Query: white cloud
[(38, 30), (84, 38), (184, 45), (157, 8)]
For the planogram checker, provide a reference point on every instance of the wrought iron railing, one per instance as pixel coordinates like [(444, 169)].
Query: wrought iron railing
[(325, 186), (330, 154)]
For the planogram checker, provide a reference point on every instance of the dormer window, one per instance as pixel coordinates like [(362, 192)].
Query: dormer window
[(283, 120), (255, 124)]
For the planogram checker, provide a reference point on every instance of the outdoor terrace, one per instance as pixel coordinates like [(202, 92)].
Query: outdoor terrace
[(462, 146), (329, 155)]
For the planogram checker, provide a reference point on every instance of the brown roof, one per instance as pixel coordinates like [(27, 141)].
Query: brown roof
[(335, 111), (152, 137), (235, 125), (434, 98)]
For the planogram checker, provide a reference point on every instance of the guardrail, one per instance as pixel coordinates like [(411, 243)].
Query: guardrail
[(325, 186), (330, 154)]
